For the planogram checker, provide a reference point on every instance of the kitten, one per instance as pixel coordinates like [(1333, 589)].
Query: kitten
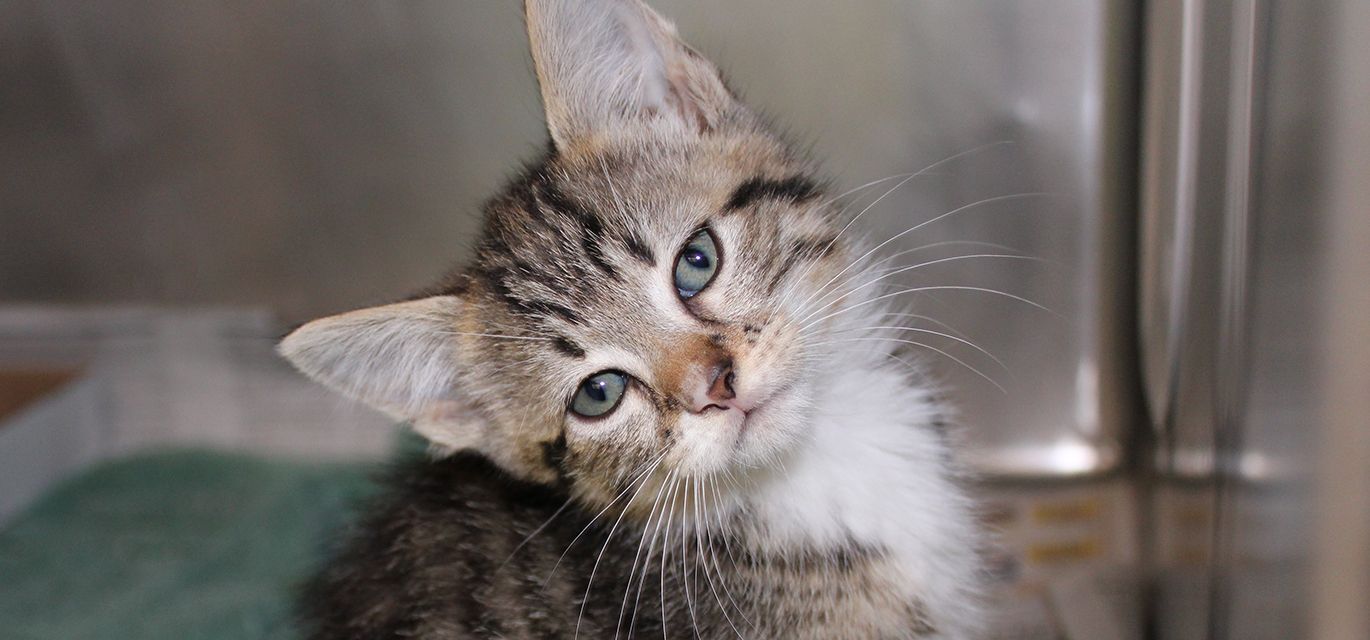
[(660, 405)]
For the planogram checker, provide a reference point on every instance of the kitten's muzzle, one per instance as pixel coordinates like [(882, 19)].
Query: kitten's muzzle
[(715, 390)]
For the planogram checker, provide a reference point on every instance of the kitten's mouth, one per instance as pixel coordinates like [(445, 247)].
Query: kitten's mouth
[(755, 411)]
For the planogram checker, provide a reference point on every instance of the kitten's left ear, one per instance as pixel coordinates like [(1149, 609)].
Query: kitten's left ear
[(606, 64), (399, 358)]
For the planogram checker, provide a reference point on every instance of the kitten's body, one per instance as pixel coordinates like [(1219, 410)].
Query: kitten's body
[(765, 469), (828, 550)]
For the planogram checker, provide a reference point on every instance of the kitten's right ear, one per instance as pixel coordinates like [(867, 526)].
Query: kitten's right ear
[(400, 358), (606, 64)]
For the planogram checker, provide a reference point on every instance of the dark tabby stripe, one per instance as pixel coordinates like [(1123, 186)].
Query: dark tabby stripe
[(526, 306), (554, 453), (638, 249), (795, 189), (568, 347), (812, 248), (592, 230), (801, 250)]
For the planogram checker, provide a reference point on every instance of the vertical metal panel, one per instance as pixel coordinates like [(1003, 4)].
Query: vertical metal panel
[(1055, 82)]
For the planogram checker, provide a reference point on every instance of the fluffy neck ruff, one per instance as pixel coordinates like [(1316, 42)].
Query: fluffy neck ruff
[(877, 474)]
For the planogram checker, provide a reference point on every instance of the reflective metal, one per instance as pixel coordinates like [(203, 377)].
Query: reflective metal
[(1239, 136), (1197, 127), (1054, 83)]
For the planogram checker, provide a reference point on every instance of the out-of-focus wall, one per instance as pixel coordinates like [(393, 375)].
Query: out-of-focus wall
[(315, 156)]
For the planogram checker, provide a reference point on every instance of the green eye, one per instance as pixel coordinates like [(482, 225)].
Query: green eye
[(599, 394), (697, 264)]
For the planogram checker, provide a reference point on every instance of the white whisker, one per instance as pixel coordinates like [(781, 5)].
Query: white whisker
[(899, 270), (939, 334), (930, 288), (609, 538), (535, 532), (646, 529), (965, 207), (925, 346), (924, 171), (591, 523), (665, 546)]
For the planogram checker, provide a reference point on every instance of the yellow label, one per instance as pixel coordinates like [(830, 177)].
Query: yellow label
[(1063, 552), (1066, 512)]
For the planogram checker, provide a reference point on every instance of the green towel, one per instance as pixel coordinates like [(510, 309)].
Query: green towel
[(183, 545)]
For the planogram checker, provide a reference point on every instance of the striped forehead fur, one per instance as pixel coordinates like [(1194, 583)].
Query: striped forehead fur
[(565, 231)]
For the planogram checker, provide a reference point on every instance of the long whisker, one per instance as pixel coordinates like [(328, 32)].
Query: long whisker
[(646, 528), (684, 555), (925, 346), (930, 288), (894, 272), (902, 182), (965, 207), (918, 316), (799, 278), (535, 532), (708, 541), (665, 545), (592, 522), (939, 334), (727, 547), (609, 538), (923, 171), (946, 243)]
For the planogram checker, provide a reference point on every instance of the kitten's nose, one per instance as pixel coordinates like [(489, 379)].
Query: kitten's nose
[(721, 389), (716, 388)]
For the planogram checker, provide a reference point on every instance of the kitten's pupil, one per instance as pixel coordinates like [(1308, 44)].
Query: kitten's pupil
[(595, 389), (697, 259)]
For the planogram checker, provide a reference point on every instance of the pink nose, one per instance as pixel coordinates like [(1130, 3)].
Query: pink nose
[(721, 388), (717, 389)]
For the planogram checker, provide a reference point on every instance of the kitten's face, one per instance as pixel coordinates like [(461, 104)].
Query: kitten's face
[(666, 286), (637, 306)]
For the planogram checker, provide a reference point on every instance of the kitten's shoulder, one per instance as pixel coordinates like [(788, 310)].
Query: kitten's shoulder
[(429, 531), (461, 481)]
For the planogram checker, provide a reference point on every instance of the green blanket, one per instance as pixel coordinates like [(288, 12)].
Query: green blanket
[(179, 545)]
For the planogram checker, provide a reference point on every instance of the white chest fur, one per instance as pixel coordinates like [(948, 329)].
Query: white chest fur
[(878, 473)]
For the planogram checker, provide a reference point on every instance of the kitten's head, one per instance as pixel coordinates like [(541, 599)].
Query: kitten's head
[(637, 301)]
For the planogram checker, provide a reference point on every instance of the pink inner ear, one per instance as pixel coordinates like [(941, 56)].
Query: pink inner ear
[(603, 65), (685, 101)]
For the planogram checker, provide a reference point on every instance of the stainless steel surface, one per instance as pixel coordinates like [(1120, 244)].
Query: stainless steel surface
[(1339, 576), (303, 156), (1268, 501), (1056, 81), (1198, 125), (1171, 113), (1184, 166), (1235, 286)]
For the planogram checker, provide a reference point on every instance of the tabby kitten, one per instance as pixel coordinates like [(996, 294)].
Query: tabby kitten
[(659, 401)]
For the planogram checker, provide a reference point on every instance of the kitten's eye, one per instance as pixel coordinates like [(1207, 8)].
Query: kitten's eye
[(599, 394), (697, 264)]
